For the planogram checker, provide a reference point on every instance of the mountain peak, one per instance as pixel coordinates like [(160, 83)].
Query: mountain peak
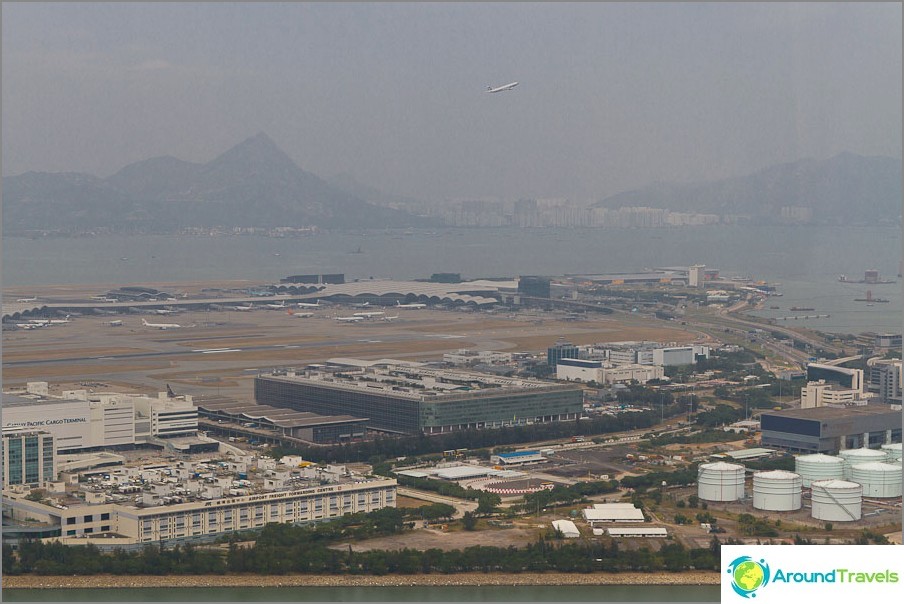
[(257, 150)]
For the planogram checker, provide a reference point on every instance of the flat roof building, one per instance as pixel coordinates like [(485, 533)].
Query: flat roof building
[(831, 429), (411, 400), (202, 520), (306, 426), (602, 513)]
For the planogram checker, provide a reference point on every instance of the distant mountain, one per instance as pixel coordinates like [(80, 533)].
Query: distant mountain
[(254, 184), (352, 186), (845, 189)]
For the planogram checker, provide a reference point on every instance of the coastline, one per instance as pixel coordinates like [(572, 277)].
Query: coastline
[(460, 579)]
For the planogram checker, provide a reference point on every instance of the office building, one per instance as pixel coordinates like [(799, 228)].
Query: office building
[(561, 350), (401, 398), (29, 457), (885, 381)]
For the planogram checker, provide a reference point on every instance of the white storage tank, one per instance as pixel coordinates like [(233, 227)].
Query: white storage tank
[(893, 451), (878, 479), (836, 500), (720, 481), (818, 467), (854, 456), (777, 490)]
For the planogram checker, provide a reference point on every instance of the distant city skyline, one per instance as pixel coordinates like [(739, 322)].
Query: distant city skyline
[(611, 96)]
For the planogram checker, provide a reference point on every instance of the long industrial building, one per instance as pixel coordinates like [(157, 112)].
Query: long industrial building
[(401, 398), (202, 520), (831, 429)]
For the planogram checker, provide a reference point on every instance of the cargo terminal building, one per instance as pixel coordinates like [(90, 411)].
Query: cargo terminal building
[(405, 399), (831, 429)]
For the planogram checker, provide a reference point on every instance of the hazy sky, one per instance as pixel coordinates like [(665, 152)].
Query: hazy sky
[(612, 95)]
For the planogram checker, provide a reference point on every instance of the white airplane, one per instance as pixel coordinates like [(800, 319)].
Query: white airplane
[(361, 305), (413, 306), (27, 299), (161, 325), (116, 323), (45, 322), (300, 315), (29, 325), (502, 88), (276, 305), (243, 308), (370, 314), (165, 311), (309, 304), (349, 319), (389, 319)]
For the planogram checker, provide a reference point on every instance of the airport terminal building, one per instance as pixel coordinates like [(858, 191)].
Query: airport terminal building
[(404, 399)]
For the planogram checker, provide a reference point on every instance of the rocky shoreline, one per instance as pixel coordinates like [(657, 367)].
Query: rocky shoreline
[(462, 579)]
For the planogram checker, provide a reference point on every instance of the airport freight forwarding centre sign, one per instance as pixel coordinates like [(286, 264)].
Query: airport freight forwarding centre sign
[(795, 573)]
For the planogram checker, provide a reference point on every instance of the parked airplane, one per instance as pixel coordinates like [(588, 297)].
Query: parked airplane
[(44, 322), (361, 305), (300, 315), (116, 323), (415, 305), (349, 319), (276, 305), (27, 299), (370, 315), (309, 304), (502, 88), (29, 325), (165, 311), (389, 319), (161, 325), (243, 308)]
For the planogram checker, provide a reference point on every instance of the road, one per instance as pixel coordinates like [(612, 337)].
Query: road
[(461, 506)]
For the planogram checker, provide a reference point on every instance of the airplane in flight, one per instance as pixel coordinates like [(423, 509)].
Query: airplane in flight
[(502, 88), (243, 308), (370, 315), (309, 304), (34, 299), (161, 325), (413, 306), (349, 319), (300, 315)]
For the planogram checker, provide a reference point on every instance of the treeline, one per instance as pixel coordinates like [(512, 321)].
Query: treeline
[(57, 559), (388, 447), (281, 549), (584, 557), (569, 494), (654, 479)]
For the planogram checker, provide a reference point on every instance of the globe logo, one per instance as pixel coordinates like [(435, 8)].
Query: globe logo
[(748, 575)]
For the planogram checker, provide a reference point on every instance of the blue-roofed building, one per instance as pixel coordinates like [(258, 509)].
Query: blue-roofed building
[(517, 458)]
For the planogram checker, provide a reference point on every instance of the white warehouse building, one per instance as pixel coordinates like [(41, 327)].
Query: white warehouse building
[(80, 420)]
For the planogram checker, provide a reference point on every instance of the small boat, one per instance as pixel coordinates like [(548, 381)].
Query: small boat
[(357, 251), (796, 308)]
